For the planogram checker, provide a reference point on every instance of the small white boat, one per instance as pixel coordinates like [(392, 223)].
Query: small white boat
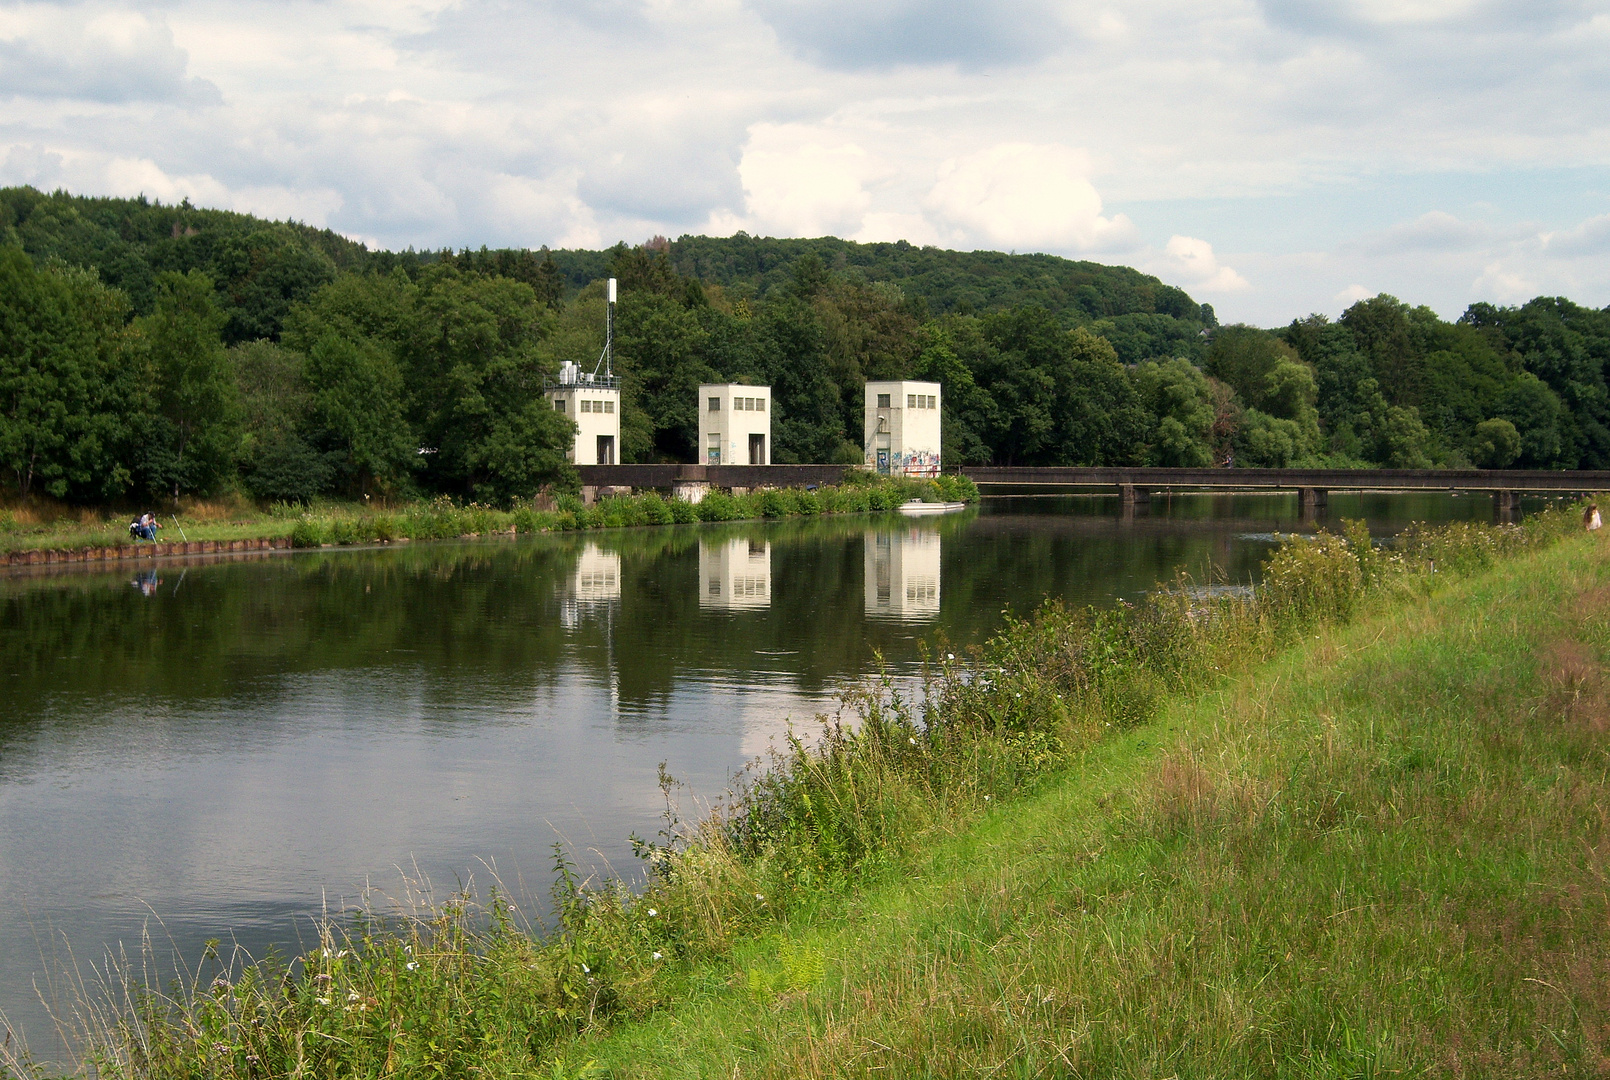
[(916, 507)]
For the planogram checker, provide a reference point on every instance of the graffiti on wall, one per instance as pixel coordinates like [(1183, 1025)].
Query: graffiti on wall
[(904, 463)]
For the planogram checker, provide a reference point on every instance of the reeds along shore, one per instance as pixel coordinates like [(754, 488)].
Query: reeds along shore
[(231, 527), (477, 989)]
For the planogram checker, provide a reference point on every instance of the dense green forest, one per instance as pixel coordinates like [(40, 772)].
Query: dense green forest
[(149, 348)]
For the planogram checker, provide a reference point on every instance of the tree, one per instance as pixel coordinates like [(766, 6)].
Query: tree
[(475, 375), (967, 408), (191, 437), (1497, 444), (277, 461), (70, 389), (1177, 395)]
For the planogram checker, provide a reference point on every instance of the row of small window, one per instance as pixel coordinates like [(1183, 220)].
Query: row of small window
[(588, 405), (741, 404), (913, 401)]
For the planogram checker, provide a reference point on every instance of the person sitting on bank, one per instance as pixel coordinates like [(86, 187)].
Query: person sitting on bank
[(1590, 517), (144, 527)]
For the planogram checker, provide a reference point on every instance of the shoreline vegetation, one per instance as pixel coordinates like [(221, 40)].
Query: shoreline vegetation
[(1345, 826), (155, 351), (29, 529)]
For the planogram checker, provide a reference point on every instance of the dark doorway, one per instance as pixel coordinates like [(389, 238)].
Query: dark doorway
[(757, 449), (606, 449)]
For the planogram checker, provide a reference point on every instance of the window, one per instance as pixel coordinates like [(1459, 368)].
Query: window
[(883, 401), (911, 401), (715, 404), (586, 405), (609, 406), (749, 404), (933, 401), (760, 404), (558, 404)]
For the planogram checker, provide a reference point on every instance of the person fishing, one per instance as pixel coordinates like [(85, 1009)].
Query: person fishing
[(1590, 518), (144, 527)]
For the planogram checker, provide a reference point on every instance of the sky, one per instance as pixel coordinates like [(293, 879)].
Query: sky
[(1273, 158)]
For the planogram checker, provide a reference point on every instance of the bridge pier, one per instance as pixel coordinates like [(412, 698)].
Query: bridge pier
[(1130, 495), (1311, 501), (1506, 504)]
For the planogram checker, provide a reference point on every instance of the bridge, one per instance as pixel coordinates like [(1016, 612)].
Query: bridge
[(1132, 485)]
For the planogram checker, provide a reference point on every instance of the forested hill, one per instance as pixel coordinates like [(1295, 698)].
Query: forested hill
[(261, 268), (148, 348), (964, 282)]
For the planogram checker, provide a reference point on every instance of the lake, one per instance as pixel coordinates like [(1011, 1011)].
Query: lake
[(225, 749)]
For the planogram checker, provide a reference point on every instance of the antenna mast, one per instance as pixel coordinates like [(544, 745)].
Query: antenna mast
[(606, 359)]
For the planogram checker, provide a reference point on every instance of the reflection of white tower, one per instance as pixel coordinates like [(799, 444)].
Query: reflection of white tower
[(734, 574), (902, 575), (596, 583)]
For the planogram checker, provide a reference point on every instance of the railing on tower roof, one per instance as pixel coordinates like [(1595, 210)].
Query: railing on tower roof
[(571, 377)]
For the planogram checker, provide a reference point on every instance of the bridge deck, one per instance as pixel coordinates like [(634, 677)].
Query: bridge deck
[(1291, 479), (990, 476)]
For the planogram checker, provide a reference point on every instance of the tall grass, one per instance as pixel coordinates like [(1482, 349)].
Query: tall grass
[(445, 519), (467, 990)]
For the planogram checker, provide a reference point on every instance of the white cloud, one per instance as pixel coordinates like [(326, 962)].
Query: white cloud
[(104, 55), (879, 34), (1026, 197), (1353, 294), (1591, 237), (1437, 231), (1310, 138), (801, 181), (134, 176), (1191, 264), (1506, 287)]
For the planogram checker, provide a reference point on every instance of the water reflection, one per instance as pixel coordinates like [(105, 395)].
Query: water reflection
[(902, 574), (228, 744), (595, 583), (734, 574)]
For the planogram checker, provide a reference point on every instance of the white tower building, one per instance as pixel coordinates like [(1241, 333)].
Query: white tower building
[(592, 400), (902, 428), (734, 424)]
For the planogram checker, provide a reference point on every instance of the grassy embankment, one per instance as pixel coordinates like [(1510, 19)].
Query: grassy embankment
[(48, 527), (1351, 828)]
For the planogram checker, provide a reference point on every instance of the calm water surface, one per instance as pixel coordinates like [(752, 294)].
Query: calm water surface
[(224, 750)]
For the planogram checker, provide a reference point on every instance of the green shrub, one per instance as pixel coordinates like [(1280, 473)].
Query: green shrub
[(717, 506), (307, 534), (655, 512), (776, 504), (683, 512)]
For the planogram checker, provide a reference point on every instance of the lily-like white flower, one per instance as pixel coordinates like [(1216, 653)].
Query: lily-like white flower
[(652, 913), (759, 897), (413, 965), (656, 956), (585, 970)]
